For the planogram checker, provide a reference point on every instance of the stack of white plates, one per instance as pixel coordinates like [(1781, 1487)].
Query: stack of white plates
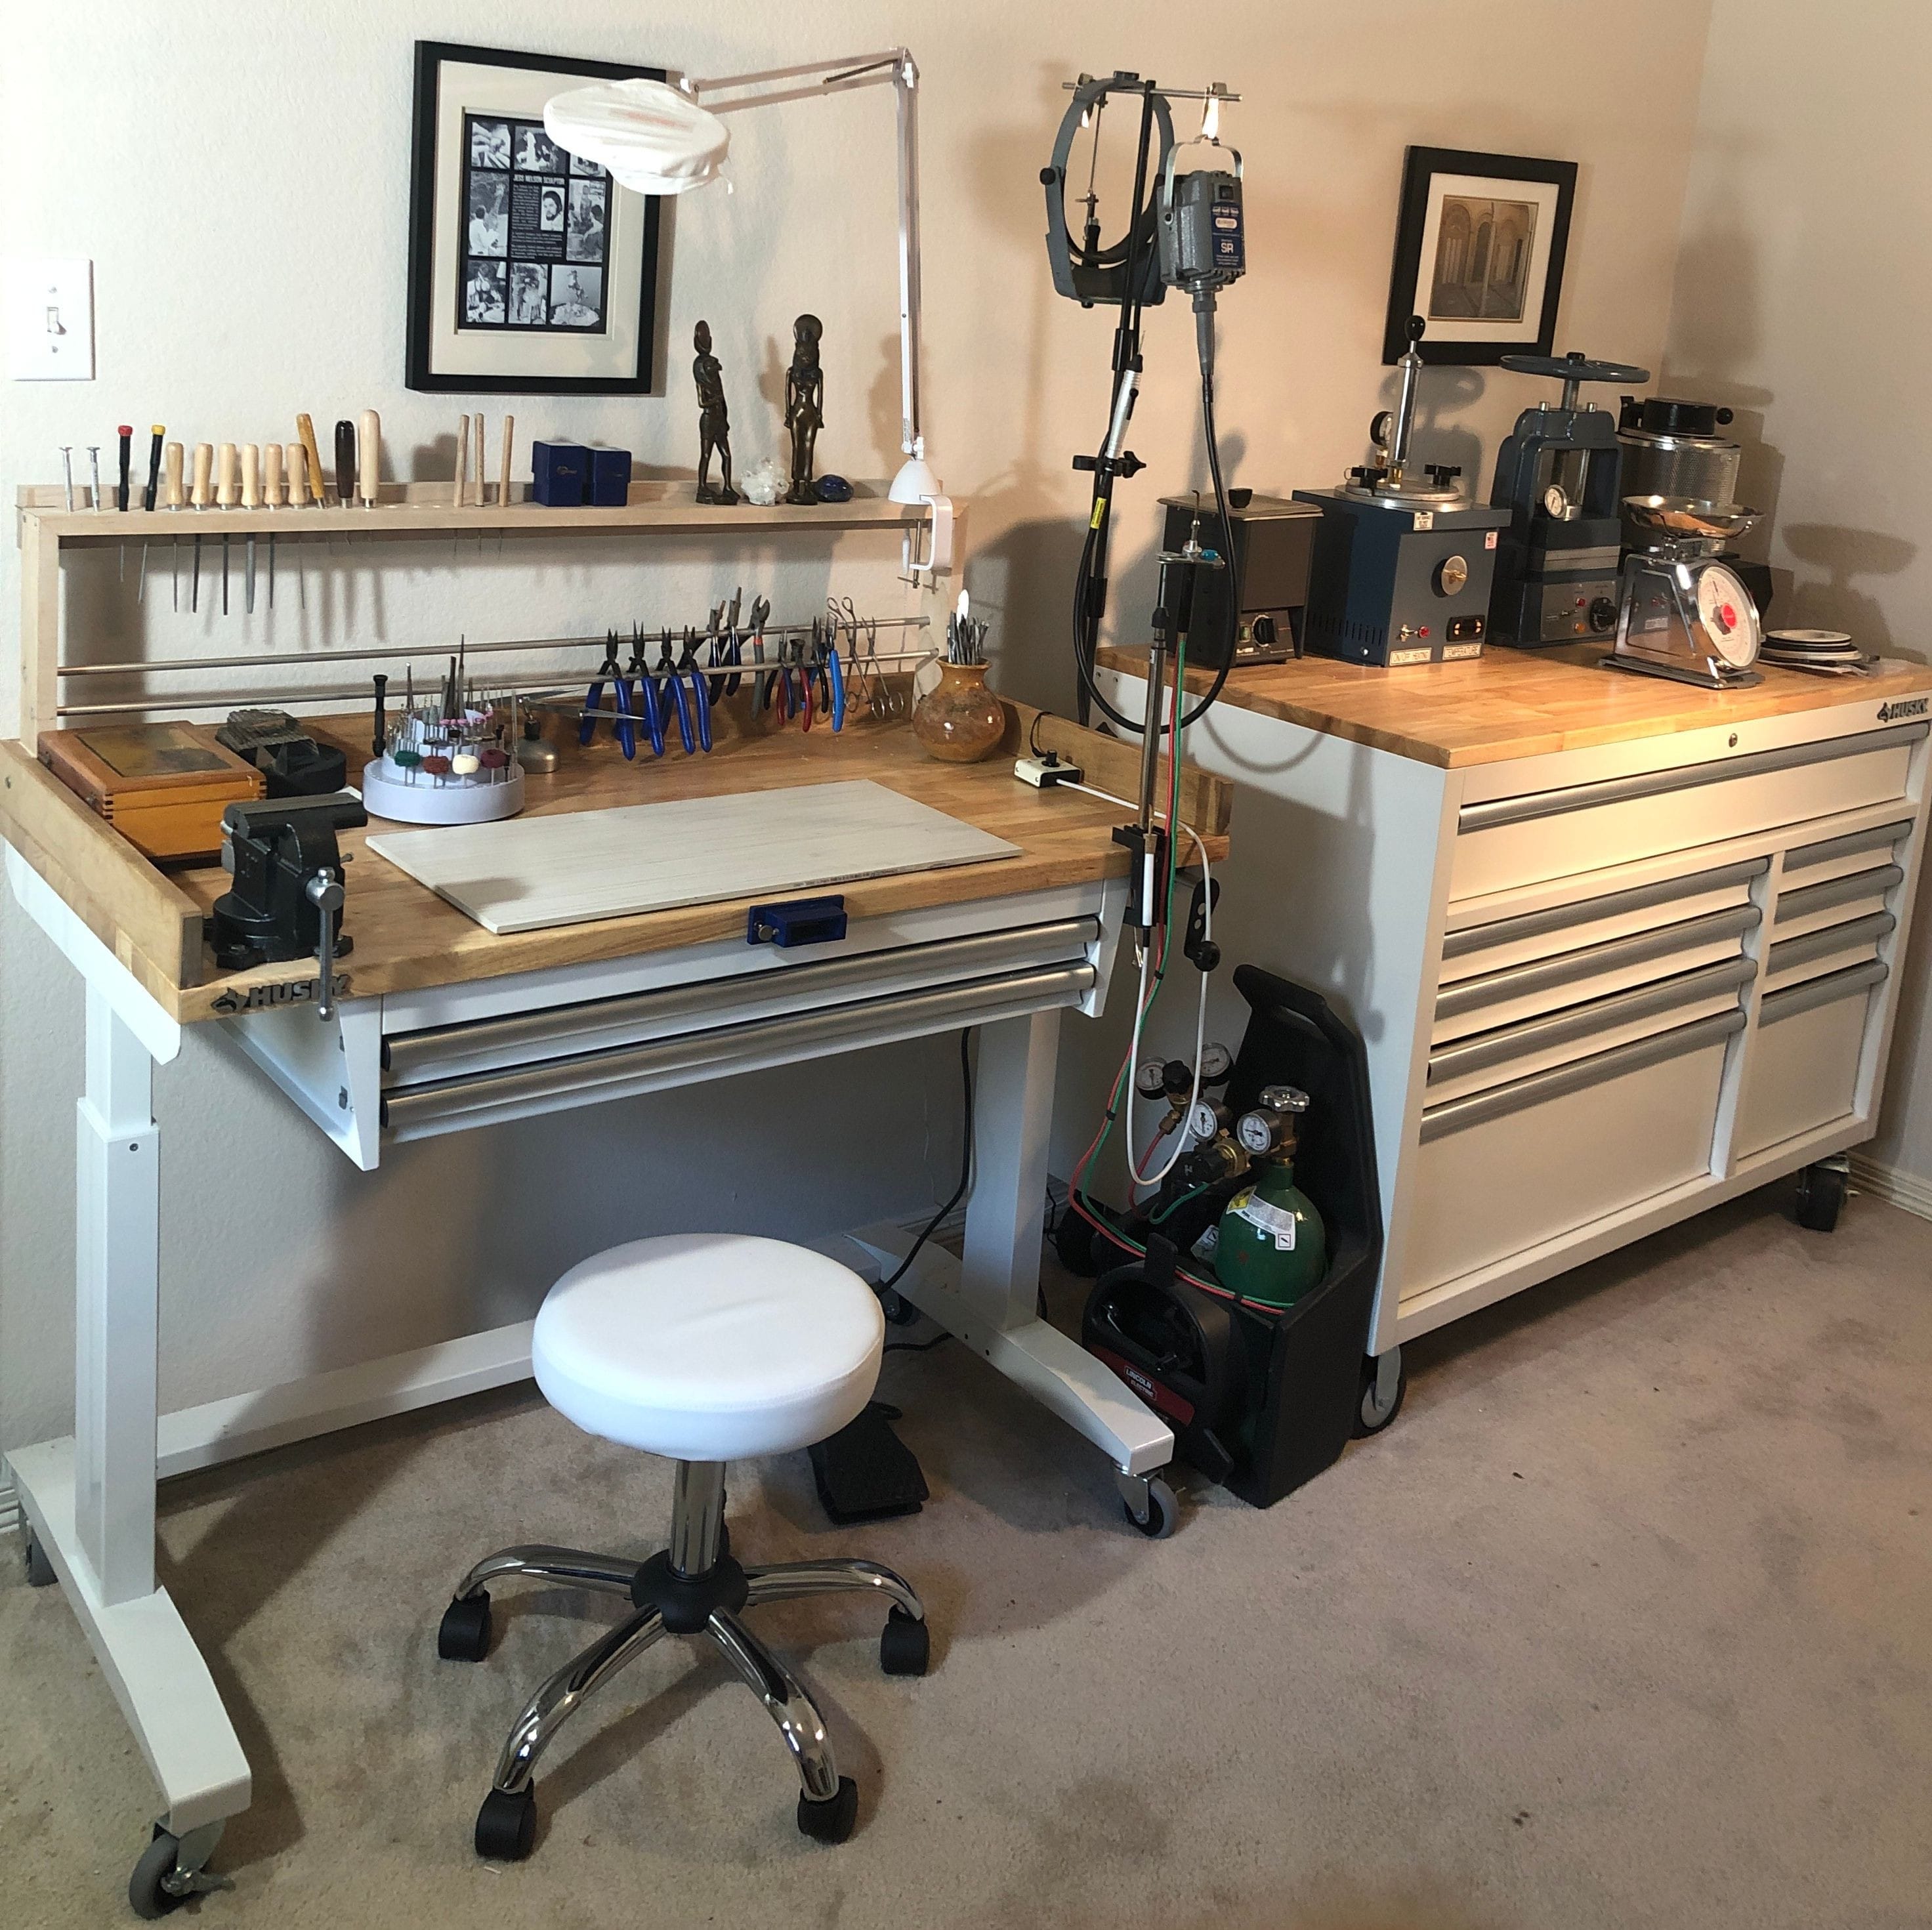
[(1824, 653)]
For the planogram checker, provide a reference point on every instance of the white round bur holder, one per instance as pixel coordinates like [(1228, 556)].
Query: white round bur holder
[(388, 791)]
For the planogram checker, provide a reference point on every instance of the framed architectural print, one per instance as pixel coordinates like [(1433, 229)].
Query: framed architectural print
[(1479, 250), (531, 272)]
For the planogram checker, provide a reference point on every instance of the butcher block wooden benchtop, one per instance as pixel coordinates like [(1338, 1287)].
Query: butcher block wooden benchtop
[(406, 938), (1510, 704)]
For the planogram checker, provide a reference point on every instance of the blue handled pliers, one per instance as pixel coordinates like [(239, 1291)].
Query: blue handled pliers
[(647, 693), (626, 729), (670, 692), (700, 689)]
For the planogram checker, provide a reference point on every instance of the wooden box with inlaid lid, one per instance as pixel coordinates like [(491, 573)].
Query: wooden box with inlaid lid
[(163, 787)]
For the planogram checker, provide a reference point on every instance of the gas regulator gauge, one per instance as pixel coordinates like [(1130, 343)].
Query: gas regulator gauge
[(1149, 1078), (1727, 617), (1216, 1062), (1255, 1131), (1204, 1120)]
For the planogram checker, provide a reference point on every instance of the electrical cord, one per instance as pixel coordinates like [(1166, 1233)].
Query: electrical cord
[(931, 1226)]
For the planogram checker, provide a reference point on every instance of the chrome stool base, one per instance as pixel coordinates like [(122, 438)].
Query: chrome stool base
[(694, 1587)]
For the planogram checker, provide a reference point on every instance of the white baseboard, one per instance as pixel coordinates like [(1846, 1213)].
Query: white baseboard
[(1891, 1183), (297, 1410)]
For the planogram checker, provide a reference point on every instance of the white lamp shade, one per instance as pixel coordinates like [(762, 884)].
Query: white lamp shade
[(652, 139)]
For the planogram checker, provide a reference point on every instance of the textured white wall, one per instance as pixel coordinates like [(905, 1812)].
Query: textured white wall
[(1802, 288), (240, 180)]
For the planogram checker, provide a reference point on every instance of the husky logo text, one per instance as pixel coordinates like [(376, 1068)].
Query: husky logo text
[(1903, 706)]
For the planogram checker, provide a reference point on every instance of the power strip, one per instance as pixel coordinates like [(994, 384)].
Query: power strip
[(1044, 772)]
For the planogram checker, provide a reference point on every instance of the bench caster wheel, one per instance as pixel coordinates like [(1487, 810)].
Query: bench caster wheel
[(170, 1872), (905, 1645), (506, 1825), (832, 1820), (1150, 1504), (1821, 1187), (898, 1310), (1385, 1382), (463, 1635), (40, 1570)]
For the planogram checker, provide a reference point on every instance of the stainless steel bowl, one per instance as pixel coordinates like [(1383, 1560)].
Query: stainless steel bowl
[(1688, 515)]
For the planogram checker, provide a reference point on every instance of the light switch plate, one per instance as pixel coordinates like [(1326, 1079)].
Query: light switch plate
[(50, 318)]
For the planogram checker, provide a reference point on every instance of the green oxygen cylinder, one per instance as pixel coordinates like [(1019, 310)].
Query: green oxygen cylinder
[(1271, 1247)]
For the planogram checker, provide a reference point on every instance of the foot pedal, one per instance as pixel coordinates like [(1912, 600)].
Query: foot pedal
[(865, 1472)]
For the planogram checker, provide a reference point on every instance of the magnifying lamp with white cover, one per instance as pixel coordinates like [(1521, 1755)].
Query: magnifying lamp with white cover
[(658, 138)]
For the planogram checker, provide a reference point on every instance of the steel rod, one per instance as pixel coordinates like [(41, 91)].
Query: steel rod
[(398, 651)]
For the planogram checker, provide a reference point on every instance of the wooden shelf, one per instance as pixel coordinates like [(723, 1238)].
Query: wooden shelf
[(423, 509)]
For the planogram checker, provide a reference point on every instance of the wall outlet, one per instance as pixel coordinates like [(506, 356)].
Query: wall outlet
[(50, 317)]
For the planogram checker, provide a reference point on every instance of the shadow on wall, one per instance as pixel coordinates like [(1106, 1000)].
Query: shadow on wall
[(1833, 600)]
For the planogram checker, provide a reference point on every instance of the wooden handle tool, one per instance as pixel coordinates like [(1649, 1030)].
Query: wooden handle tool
[(251, 476), (272, 475), (305, 429), (226, 487), (476, 484), (345, 462), (172, 495), (368, 483), (148, 494), (503, 468), (295, 459), (462, 461), (204, 471)]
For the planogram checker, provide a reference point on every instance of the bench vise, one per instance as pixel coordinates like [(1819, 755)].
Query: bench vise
[(287, 898)]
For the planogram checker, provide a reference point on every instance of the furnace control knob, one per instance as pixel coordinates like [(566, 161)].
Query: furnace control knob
[(1262, 632), (1603, 614), (1451, 573)]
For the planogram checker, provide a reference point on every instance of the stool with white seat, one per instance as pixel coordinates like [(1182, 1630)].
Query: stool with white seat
[(704, 1348)]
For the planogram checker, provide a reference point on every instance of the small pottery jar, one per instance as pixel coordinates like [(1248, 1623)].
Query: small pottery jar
[(959, 720)]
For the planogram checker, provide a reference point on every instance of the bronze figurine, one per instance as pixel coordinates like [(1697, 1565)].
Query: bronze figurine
[(804, 405), (714, 420)]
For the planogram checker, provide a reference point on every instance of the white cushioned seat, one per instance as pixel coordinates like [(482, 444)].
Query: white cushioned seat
[(709, 1346)]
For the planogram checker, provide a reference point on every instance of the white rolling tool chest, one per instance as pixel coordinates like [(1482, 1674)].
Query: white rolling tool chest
[(1600, 988)]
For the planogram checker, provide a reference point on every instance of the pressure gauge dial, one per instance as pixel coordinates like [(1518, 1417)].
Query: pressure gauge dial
[(1256, 1132), (1727, 617), (1149, 1078), (1204, 1120), (1556, 502), (1216, 1062)]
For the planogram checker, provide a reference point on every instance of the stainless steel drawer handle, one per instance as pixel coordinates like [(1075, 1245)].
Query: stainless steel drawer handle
[(1582, 1022), (589, 1079), (1826, 991), (1589, 911), (1518, 981), (1790, 952), (1846, 890), (1452, 1115), (487, 1045), (1880, 837), (1498, 810)]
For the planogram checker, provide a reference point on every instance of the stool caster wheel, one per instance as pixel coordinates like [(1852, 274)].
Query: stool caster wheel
[(40, 1570), (506, 1825), (1385, 1382), (899, 1311), (167, 1875), (905, 1645), (464, 1633), (1150, 1506), (830, 1821)]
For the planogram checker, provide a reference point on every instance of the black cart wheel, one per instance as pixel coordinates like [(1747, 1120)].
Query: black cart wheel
[(506, 1825), (464, 1633), (1163, 1514), (832, 1820), (898, 1310), (905, 1645), (1821, 1196), (40, 1570), (1374, 1411), (148, 1894)]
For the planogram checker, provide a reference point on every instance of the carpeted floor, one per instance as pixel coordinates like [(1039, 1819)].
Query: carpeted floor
[(1627, 1621)]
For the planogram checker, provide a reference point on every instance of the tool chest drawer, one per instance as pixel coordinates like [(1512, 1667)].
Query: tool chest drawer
[(1544, 986), (440, 1078), (1506, 841), (1498, 1171), (1805, 1056)]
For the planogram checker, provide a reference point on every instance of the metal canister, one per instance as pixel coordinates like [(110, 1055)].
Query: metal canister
[(1673, 448)]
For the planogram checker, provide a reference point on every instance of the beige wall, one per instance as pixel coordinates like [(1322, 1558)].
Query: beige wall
[(241, 188), (1804, 288)]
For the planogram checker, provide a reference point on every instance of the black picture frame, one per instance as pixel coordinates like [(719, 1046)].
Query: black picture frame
[(638, 378), (1440, 343)]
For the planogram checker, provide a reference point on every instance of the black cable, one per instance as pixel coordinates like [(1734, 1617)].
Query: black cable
[(916, 1347), (931, 1226)]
